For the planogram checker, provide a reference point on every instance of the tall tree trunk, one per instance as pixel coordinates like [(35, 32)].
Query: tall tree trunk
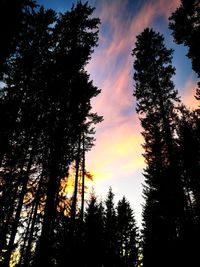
[(25, 239), (18, 212), (43, 250), (5, 227), (30, 237), (12, 199), (175, 205), (83, 179), (74, 201)]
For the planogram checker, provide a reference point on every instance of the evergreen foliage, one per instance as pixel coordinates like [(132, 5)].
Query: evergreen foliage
[(164, 211), (46, 110), (49, 126), (185, 26)]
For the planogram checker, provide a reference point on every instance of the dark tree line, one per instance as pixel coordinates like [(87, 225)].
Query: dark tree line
[(171, 143), (108, 236)]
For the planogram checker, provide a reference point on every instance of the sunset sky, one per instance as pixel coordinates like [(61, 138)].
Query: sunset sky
[(116, 159)]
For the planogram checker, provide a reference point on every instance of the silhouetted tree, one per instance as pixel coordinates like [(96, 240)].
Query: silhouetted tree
[(87, 142), (22, 150), (156, 100), (185, 26), (127, 242), (12, 16), (75, 35), (189, 151), (110, 230), (94, 233), (46, 104)]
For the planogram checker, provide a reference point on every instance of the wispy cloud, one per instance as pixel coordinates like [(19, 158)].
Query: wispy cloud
[(111, 69), (116, 159)]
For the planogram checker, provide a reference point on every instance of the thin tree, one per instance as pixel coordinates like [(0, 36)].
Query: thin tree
[(110, 230), (156, 102), (75, 37)]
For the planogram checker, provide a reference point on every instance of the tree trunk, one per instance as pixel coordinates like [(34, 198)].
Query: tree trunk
[(17, 215), (74, 202), (43, 250), (83, 180)]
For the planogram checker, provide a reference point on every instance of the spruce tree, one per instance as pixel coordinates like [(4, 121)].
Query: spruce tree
[(21, 153), (46, 104), (94, 233), (12, 16), (185, 26), (156, 101), (110, 230), (75, 35), (188, 149), (127, 242)]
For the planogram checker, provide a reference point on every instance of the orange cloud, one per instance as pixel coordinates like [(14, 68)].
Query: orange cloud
[(117, 151), (188, 94)]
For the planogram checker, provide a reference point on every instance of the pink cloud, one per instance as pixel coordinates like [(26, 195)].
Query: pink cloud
[(116, 159), (122, 39), (188, 95), (120, 130)]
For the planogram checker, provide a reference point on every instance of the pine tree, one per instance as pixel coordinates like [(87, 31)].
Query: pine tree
[(12, 15), (126, 235), (50, 92), (185, 26), (110, 230), (94, 233), (156, 101), (189, 147), (22, 149), (75, 36)]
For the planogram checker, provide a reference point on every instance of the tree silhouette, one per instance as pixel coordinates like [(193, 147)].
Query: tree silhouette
[(12, 16), (49, 126), (22, 149), (127, 236), (185, 26), (75, 36), (188, 149), (156, 100), (51, 93), (110, 230), (94, 233)]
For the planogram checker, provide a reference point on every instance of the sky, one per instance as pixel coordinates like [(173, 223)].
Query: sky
[(116, 159)]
